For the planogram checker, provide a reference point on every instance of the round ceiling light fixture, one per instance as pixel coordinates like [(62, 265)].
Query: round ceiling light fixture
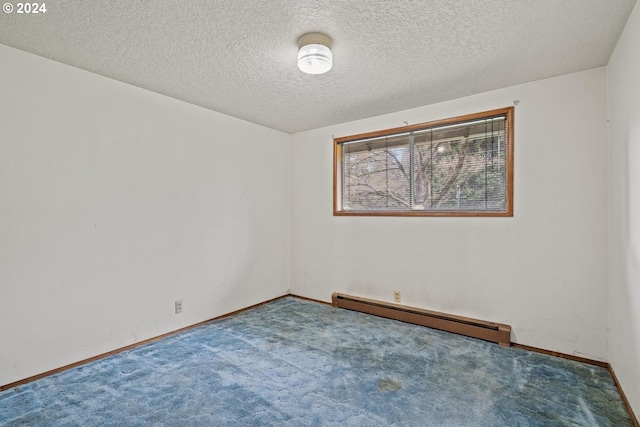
[(314, 54)]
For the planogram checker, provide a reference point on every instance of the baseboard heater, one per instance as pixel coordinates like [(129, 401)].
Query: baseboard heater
[(488, 331)]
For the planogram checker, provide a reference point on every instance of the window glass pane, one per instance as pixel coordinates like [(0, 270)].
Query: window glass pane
[(376, 174), (462, 168), (458, 166)]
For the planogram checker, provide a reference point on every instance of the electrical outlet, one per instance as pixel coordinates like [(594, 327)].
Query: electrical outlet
[(396, 296), (178, 306)]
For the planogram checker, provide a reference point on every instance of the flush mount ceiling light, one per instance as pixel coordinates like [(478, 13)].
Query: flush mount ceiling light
[(314, 56)]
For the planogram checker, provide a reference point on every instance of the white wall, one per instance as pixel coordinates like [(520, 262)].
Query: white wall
[(624, 209), (115, 202), (544, 271)]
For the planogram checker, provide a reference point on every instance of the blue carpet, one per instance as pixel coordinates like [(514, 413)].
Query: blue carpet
[(298, 363)]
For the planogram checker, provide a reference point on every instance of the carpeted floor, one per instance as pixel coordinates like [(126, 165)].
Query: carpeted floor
[(299, 363)]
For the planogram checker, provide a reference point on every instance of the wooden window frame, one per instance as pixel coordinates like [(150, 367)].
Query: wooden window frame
[(337, 167)]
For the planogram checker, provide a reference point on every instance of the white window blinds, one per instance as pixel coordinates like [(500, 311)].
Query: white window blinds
[(456, 167)]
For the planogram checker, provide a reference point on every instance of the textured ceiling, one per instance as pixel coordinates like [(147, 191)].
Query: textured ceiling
[(238, 57)]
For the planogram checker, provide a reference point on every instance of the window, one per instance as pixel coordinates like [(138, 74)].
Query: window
[(461, 166)]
